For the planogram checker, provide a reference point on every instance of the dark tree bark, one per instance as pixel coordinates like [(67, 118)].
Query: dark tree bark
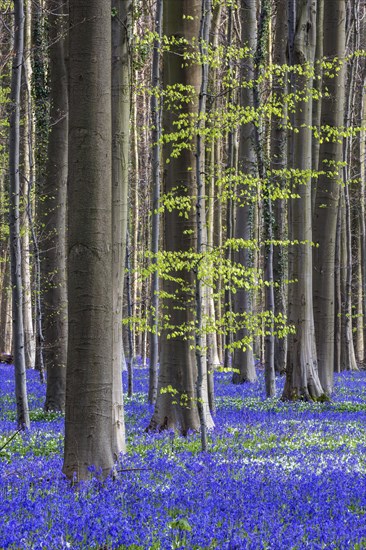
[(53, 214), (93, 433)]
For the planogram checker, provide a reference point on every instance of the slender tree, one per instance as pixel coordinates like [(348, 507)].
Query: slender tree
[(26, 184), (214, 208), (278, 162), (121, 26), (155, 226), (230, 166), (93, 432), (14, 220), (201, 247), (243, 359), (41, 118)]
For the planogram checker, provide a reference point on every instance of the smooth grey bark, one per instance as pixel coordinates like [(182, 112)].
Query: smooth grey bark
[(317, 102), (357, 286), (213, 210), (278, 161), (302, 380), (134, 222), (217, 241), (155, 223), (201, 245), (327, 194), (14, 221), (93, 433), (26, 183), (53, 214), (337, 292), (243, 358), (348, 357), (228, 301), (357, 173), (177, 409), (5, 326), (121, 70)]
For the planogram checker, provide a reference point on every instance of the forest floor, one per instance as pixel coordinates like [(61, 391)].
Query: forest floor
[(276, 476)]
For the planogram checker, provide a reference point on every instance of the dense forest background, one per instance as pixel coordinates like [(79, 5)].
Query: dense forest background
[(182, 186)]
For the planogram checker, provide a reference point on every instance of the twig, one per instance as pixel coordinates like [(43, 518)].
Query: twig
[(12, 437)]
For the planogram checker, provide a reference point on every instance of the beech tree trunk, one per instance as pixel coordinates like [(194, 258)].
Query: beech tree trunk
[(317, 103), (212, 208), (243, 358), (230, 167), (14, 221), (302, 380), (26, 184), (6, 335), (93, 432), (278, 161), (53, 214), (176, 404), (201, 228), (155, 228), (121, 28), (327, 194)]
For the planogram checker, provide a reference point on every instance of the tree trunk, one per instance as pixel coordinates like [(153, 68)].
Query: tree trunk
[(53, 215), (176, 404), (26, 184), (131, 341), (201, 228), (93, 433), (337, 293), (14, 221), (6, 329), (317, 103), (121, 28), (156, 153), (212, 338), (302, 380), (279, 162), (230, 167), (41, 112), (357, 285), (243, 358), (348, 357), (327, 194), (362, 215)]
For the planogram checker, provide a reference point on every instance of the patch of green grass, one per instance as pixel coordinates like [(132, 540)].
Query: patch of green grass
[(35, 444), (37, 415)]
